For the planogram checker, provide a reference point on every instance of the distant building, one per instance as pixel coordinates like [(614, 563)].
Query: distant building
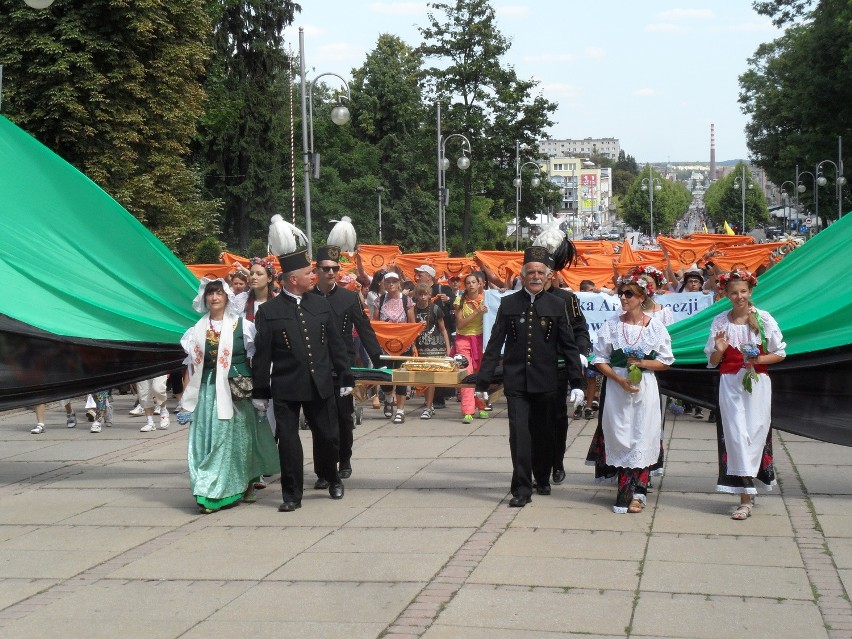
[(587, 147)]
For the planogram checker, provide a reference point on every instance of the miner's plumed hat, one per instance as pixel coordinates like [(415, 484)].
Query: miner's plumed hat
[(538, 254), (328, 252), (294, 261)]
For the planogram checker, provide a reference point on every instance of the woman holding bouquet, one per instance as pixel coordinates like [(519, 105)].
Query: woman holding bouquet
[(628, 351), (742, 343)]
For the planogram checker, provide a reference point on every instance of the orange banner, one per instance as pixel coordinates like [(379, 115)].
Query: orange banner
[(600, 275), (750, 258), (395, 339), (232, 259), (407, 262), (503, 264), (720, 239), (376, 256), (685, 253), (627, 254), (209, 270)]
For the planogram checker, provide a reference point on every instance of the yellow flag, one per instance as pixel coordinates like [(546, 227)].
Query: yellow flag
[(728, 229), (705, 228)]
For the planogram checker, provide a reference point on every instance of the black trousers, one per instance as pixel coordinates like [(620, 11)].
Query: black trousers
[(531, 439), (560, 420), (321, 415), (344, 409)]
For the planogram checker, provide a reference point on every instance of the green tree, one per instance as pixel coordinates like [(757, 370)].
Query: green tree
[(798, 92), (112, 87), (671, 201), (624, 172), (723, 201), (243, 143), (493, 108)]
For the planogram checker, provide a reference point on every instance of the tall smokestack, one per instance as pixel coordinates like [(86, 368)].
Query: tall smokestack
[(712, 152)]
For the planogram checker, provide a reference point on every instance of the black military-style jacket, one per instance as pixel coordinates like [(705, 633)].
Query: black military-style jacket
[(535, 334), (301, 344), (348, 311), (576, 319)]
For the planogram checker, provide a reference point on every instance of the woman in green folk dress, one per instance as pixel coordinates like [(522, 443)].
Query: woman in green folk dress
[(228, 448)]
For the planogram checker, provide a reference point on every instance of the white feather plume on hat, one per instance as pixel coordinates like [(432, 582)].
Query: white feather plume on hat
[(343, 234), (551, 237), (284, 238)]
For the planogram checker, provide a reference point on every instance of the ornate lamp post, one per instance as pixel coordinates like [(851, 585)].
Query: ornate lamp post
[(839, 181), (517, 183), (651, 184), (787, 197), (740, 183), (339, 115), (443, 164), (801, 188)]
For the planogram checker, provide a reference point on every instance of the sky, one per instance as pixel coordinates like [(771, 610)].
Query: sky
[(652, 73)]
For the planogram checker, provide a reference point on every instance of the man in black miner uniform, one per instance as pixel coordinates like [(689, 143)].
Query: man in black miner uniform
[(533, 326), (298, 339), (348, 311), (444, 297), (565, 255)]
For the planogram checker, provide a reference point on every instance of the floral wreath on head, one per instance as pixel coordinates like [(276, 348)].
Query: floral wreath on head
[(266, 264), (651, 271), (737, 274), (637, 280)]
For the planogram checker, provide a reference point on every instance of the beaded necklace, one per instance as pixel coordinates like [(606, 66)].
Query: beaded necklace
[(638, 337)]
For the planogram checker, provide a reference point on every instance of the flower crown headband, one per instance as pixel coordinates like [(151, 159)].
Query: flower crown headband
[(651, 271), (636, 280), (737, 274), (266, 264)]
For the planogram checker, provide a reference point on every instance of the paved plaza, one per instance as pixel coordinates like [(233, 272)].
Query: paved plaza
[(100, 537)]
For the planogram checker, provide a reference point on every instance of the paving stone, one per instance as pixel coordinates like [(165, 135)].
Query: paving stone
[(724, 550)]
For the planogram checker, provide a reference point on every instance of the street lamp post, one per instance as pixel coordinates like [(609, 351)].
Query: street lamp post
[(801, 188), (787, 197), (339, 115), (651, 184), (517, 182), (443, 164), (740, 183), (839, 181), (379, 191)]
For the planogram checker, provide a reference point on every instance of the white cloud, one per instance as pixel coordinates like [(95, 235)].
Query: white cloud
[(646, 92), (686, 14), (399, 8), (512, 11), (594, 52), (664, 27)]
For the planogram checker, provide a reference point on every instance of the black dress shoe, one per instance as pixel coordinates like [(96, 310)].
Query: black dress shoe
[(345, 472), (558, 476), (519, 502), (321, 484), (543, 489), (289, 506), (336, 491)]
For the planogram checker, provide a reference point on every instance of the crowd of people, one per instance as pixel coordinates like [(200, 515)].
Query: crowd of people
[(272, 353)]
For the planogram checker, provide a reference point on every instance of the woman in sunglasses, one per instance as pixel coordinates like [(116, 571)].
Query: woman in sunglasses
[(629, 349)]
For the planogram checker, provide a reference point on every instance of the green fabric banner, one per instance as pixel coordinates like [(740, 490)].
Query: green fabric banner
[(801, 292), (74, 262)]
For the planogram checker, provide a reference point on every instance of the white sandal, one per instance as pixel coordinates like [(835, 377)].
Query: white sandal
[(743, 511)]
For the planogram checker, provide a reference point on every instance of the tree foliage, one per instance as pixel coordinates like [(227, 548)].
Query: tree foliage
[(798, 94), (671, 201), (486, 102), (243, 143), (112, 87), (723, 201)]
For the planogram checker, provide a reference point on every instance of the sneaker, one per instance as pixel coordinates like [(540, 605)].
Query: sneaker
[(108, 416), (595, 404), (578, 412), (71, 420), (388, 409), (136, 411), (483, 414), (427, 413), (38, 430), (91, 414), (95, 427), (467, 419), (147, 428), (399, 418), (157, 409), (588, 413), (439, 404), (699, 414), (164, 420), (488, 407)]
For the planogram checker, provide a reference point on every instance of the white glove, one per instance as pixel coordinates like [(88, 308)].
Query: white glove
[(584, 361), (576, 397), (481, 395), (260, 405), (346, 390)]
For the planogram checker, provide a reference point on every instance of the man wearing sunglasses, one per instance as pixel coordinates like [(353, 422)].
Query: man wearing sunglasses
[(348, 311)]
